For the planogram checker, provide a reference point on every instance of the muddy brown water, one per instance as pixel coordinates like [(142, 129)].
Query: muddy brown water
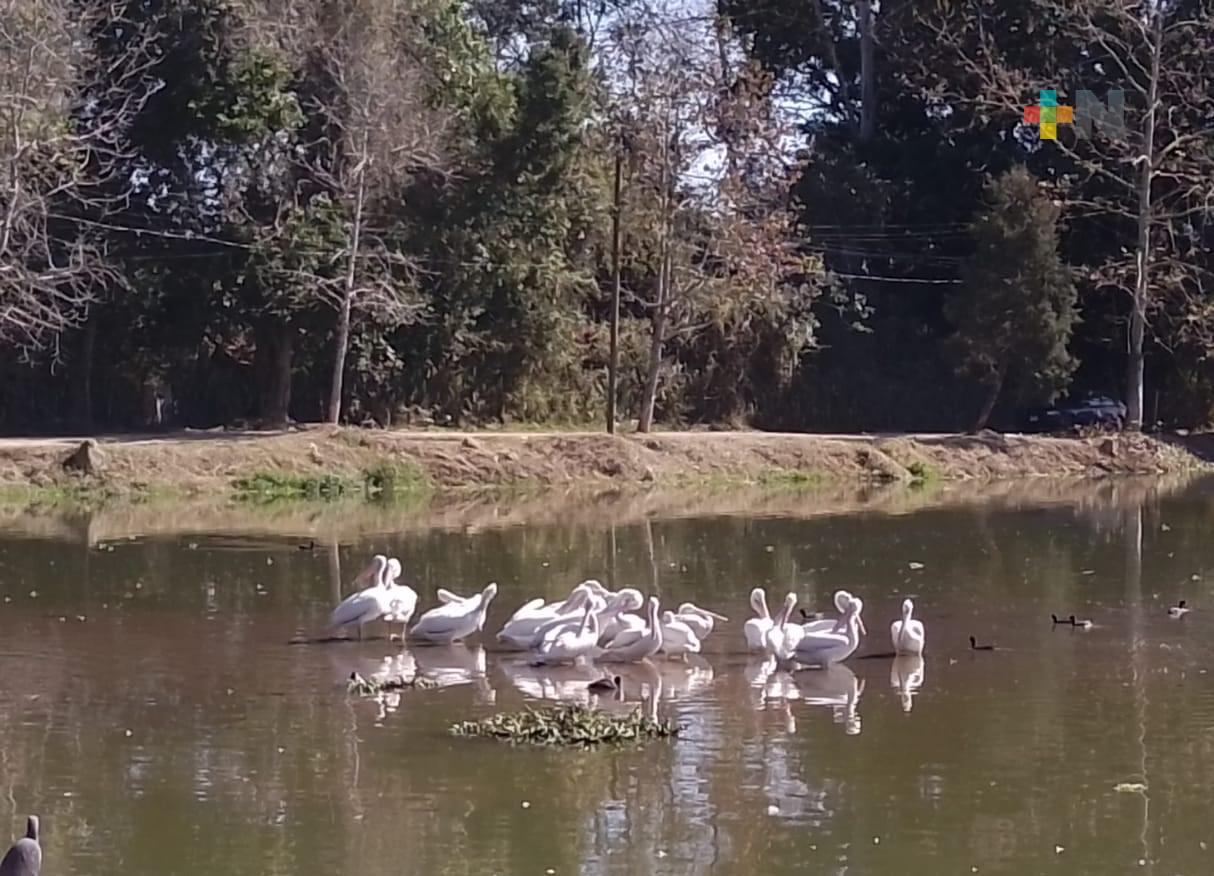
[(152, 712)]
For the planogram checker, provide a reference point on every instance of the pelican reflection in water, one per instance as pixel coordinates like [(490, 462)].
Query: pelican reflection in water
[(835, 687), (906, 677), (567, 683)]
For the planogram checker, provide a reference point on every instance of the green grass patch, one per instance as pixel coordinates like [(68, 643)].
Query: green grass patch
[(774, 479), (922, 473), (792, 478), (277, 486), (389, 478), (567, 726), (83, 495), (384, 481)]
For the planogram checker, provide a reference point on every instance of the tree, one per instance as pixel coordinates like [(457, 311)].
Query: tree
[(60, 177), (1015, 310), (1150, 184), (709, 192), (371, 126)]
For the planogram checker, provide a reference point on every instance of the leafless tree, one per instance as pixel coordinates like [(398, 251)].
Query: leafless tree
[(63, 122), (709, 182)]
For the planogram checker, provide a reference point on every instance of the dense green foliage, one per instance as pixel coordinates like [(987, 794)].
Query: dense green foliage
[(206, 183), (1016, 307)]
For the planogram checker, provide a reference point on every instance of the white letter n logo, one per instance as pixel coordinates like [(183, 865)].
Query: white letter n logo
[(1110, 117)]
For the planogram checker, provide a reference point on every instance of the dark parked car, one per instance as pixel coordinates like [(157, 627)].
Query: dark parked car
[(1095, 410)]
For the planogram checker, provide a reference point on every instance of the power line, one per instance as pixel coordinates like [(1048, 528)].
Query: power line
[(879, 279), (198, 237)]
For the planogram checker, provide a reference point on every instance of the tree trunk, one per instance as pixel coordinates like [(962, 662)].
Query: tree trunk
[(1138, 310), (868, 81), (649, 396), (613, 362), (273, 360), (658, 321), (342, 341), (84, 366), (988, 406)]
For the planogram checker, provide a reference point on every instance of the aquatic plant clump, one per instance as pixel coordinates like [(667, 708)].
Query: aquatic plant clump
[(568, 725), (369, 687)]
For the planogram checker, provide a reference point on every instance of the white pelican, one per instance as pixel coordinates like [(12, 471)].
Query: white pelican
[(792, 632), (453, 621), (678, 637), (756, 628), (823, 649), (842, 600), (402, 600), (556, 626), (569, 645), (366, 605), (782, 636), (632, 646), (519, 631), (597, 588), (907, 634), (615, 618), (701, 620)]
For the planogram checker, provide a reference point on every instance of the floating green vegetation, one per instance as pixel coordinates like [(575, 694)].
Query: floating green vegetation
[(568, 725), (369, 687)]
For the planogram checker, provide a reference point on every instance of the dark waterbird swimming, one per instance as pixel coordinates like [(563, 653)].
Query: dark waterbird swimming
[(25, 857), (606, 684), (976, 647), (1082, 624)]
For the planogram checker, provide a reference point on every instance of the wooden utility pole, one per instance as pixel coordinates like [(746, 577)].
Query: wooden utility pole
[(613, 363), (868, 82)]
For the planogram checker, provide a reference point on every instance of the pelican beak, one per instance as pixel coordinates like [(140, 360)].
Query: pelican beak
[(713, 614), (860, 621)]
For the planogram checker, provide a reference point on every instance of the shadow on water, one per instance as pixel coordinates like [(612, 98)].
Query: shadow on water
[(154, 714)]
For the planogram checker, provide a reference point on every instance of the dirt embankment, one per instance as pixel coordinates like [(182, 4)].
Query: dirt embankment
[(213, 462)]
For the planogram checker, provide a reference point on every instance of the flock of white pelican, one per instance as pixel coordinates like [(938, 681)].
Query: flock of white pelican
[(596, 624)]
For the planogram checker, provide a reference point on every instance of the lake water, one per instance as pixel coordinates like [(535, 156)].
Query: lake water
[(154, 714)]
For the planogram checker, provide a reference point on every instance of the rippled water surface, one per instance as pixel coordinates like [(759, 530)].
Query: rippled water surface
[(154, 714)]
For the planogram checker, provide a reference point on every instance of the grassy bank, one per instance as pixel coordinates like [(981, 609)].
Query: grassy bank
[(331, 463)]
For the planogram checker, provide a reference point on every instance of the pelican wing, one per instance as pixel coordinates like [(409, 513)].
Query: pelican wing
[(520, 630), (449, 621), (755, 631), (526, 610), (362, 607), (402, 602)]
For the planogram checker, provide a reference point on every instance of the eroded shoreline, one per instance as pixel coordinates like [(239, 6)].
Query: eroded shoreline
[(330, 461)]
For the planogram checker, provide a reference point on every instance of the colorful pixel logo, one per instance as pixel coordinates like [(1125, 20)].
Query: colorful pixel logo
[(1047, 115), (1088, 111)]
